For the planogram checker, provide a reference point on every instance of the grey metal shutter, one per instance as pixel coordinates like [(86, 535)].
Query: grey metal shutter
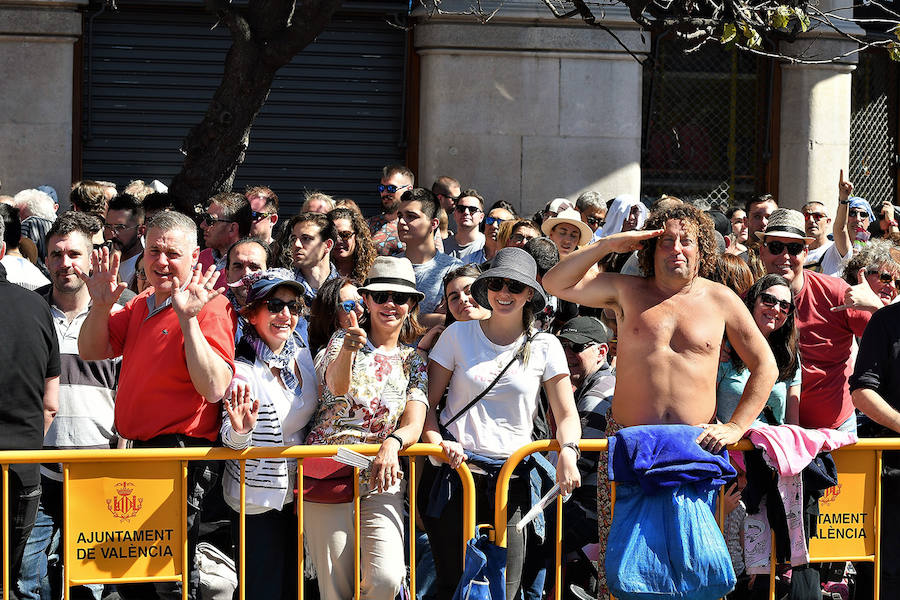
[(334, 116)]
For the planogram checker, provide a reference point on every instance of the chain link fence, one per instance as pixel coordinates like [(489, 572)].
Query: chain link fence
[(701, 127), (873, 128)]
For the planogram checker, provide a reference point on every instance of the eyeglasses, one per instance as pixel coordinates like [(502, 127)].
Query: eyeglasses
[(349, 306), (494, 220), (518, 238), (461, 208), (577, 348), (793, 248), (595, 222), (771, 301), (211, 220), (885, 277), (346, 235), (815, 216), (390, 189), (276, 305), (397, 297), (858, 214), (495, 284), (117, 229), (256, 215)]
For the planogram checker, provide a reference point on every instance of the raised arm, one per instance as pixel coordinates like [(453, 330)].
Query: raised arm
[(572, 280), (751, 346), (337, 373), (93, 339), (842, 239)]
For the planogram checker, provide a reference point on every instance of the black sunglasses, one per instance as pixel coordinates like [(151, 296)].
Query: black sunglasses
[(886, 278), (397, 297), (595, 222), (461, 208), (577, 348), (771, 301), (346, 235), (793, 248), (209, 219), (495, 284), (390, 189), (276, 305), (859, 214)]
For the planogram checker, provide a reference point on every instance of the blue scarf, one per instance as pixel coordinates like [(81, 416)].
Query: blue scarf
[(280, 361)]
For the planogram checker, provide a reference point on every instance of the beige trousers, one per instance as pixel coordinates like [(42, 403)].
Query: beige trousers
[(328, 529)]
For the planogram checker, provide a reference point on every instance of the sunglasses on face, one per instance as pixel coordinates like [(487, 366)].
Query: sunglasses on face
[(259, 215), (886, 278), (858, 214), (815, 216), (493, 220), (348, 306), (518, 238), (793, 248), (397, 297), (211, 220), (771, 301), (461, 208), (577, 348), (496, 284), (390, 189), (345, 235), (595, 222), (276, 305), (117, 229)]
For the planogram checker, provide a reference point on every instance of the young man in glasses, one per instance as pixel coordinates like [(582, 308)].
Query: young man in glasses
[(468, 215), (825, 320), (416, 225), (395, 180), (263, 213), (227, 220), (447, 191), (124, 227)]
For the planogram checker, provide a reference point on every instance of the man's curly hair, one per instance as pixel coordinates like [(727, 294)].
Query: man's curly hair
[(705, 235)]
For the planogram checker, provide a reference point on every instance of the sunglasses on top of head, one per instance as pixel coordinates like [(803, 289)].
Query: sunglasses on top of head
[(276, 305), (771, 301), (397, 297), (496, 284), (390, 189), (793, 248)]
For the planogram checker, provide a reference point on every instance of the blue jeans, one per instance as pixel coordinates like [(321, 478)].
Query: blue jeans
[(23, 505), (41, 577)]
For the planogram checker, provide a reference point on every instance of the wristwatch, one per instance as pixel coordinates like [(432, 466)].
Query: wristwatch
[(573, 446), (396, 437)]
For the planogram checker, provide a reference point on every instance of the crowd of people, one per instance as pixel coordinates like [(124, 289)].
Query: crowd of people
[(446, 319)]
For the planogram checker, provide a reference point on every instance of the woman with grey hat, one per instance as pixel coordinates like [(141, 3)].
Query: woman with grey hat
[(274, 380), (372, 392), (495, 369)]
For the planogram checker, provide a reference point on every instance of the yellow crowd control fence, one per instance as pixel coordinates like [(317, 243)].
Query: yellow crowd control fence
[(124, 511), (849, 513)]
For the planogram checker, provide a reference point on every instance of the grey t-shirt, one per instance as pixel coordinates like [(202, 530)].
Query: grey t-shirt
[(452, 248), (430, 277)]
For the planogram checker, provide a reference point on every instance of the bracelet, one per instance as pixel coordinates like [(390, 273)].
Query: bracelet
[(396, 437), (573, 446), (844, 201)]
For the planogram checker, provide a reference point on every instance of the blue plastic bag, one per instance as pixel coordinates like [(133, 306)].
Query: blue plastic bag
[(484, 574), (666, 545)]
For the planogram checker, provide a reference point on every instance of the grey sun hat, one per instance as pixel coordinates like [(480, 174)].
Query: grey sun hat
[(392, 274), (786, 223), (515, 264)]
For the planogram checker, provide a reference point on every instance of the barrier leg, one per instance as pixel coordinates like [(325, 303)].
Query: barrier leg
[(356, 533), (411, 492), (242, 533), (557, 582), (185, 569), (300, 558), (67, 551), (5, 532)]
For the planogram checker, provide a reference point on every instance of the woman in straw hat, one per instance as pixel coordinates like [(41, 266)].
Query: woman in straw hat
[(470, 356), (373, 392)]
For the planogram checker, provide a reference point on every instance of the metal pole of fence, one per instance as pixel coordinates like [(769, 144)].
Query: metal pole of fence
[(6, 532), (772, 567), (67, 551), (876, 568), (300, 558), (557, 580), (184, 537), (242, 532), (356, 536), (411, 488)]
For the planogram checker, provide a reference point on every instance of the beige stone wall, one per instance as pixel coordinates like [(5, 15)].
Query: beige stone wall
[(526, 108), (36, 68)]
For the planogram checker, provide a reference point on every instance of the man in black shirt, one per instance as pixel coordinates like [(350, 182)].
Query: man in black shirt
[(29, 383)]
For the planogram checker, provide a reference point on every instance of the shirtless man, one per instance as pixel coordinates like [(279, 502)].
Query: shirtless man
[(671, 325)]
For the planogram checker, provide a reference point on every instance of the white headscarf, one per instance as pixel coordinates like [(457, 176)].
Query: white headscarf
[(617, 213)]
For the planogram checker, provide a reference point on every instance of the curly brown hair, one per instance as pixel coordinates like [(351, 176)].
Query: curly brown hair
[(365, 247), (705, 235)]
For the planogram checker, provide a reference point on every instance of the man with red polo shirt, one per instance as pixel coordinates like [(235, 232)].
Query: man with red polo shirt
[(176, 340)]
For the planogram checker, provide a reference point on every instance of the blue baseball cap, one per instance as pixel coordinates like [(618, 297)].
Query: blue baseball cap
[(263, 284)]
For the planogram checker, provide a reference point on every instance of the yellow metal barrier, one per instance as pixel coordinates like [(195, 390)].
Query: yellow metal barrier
[(859, 468), (83, 465)]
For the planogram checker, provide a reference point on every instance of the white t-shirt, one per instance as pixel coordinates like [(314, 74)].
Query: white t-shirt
[(502, 421), (826, 259)]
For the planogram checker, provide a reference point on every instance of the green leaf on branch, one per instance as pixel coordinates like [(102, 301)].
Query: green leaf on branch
[(780, 17), (753, 39), (896, 31), (803, 18), (729, 32), (894, 51)]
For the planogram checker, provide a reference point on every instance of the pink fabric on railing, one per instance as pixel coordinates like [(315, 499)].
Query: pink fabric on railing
[(789, 448)]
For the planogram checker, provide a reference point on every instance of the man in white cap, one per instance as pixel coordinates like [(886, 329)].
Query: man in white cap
[(828, 314)]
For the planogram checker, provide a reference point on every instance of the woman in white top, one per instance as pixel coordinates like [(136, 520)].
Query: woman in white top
[(469, 356), (273, 398)]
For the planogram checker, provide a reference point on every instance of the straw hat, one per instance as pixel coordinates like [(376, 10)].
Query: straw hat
[(569, 216), (514, 264), (786, 223), (392, 274)]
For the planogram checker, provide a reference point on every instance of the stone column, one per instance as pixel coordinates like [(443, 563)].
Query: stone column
[(36, 71), (527, 108)]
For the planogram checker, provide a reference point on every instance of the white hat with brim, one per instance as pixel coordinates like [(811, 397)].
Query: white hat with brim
[(569, 216), (786, 223), (392, 274)]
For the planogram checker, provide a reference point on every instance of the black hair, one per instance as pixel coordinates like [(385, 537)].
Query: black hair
[(12, 226), (544, 252), (784, 340)]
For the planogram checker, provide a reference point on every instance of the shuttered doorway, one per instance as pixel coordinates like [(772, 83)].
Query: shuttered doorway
[(334, 117)]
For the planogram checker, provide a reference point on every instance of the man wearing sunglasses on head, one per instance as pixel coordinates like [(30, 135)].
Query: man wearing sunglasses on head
[(825, 321), (468, 215), (226, 220), (395, 180)]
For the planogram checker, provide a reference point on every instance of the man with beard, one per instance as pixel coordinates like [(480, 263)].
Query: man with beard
[(123, 228), (395, 179), (227, 219)]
